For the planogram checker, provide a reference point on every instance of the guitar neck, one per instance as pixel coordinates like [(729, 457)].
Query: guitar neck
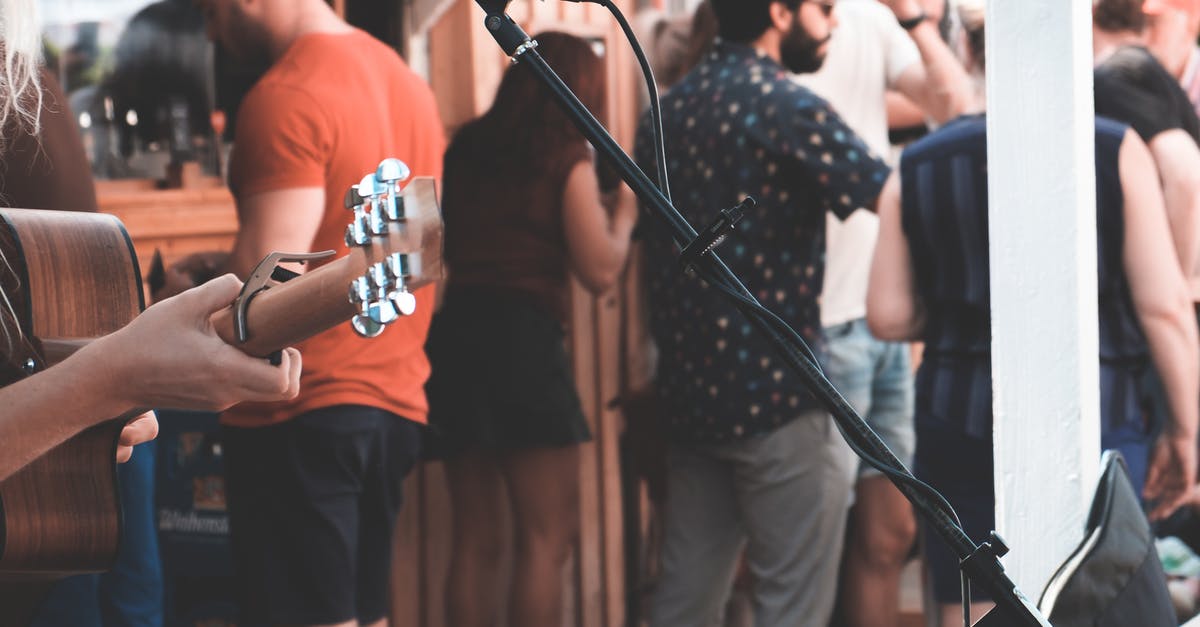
[(293, 311), (290, 312), (296, 310), (285, 314)]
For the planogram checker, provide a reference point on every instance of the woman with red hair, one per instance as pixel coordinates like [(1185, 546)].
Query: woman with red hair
[(523, 212)]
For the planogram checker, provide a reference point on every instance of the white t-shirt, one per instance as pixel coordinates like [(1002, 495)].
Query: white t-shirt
[(868, 53)]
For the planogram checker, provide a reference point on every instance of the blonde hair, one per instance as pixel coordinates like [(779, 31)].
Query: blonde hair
[(20, 104), (21, 47)]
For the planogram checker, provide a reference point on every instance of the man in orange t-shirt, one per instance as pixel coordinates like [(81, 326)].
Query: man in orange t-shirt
[(313, 484)]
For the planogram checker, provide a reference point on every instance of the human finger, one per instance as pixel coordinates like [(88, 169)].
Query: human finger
[(293, 363), (1152, 488), (1166, 504), (141, 429), (137, 431), (212, 296), (1155, 472), (261, 381)]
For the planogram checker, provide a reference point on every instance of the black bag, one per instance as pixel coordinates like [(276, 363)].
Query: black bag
[(1114, 578)]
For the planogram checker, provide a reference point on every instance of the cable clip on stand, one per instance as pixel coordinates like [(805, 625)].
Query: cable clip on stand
[(716, 233)]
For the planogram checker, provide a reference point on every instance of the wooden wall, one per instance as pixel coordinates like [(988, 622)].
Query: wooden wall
[(175, 222), (465, 67)]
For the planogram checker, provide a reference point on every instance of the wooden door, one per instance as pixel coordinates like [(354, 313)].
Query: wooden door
[(465, 67)]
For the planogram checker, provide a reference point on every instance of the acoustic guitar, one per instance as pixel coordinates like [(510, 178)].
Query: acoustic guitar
[(70, 277)]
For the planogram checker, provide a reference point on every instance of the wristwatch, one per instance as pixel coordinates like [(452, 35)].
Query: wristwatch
[(913, 22)]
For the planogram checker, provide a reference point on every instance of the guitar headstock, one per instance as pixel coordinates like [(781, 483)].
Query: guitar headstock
[(399, 228)]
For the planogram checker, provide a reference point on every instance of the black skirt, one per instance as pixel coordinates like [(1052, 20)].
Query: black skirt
[(500, 377)]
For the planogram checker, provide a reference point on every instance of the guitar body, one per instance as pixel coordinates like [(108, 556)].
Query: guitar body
[(67, 276)]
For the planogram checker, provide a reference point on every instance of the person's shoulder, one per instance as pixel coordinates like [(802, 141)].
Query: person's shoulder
[(798, 99), (867, 12), (1128, 62), (276, 93), (315, 58), (1135, 56), (961, 131)]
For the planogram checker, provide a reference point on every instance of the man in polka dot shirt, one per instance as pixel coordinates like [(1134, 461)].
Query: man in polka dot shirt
[(753, 462)]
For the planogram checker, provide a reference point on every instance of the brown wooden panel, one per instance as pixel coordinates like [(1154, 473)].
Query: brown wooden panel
[(407, 575), (589, 553), (437, 543), (176, 222), (448, 56), (608, 439), (521, 11)]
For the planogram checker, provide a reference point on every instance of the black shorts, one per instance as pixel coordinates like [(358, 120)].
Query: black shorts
[(501, 378), (312, 504)]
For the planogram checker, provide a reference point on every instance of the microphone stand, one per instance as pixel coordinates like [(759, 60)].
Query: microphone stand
[(980, 562)]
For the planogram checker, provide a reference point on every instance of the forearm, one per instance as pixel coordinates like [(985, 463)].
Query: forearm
[(1178, 162), (42, 411), (903, 112), (947, 92), (1174, 349), (620, 233), (1183, 215), (285, 220)]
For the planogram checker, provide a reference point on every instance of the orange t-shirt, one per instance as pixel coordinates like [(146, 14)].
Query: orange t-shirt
[(326, 113)]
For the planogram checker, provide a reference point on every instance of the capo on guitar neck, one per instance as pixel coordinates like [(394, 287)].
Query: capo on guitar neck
[(261, 277)]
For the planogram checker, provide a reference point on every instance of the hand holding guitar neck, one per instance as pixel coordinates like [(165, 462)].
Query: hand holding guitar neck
[(192, 367), (395, 242), (58, 514)]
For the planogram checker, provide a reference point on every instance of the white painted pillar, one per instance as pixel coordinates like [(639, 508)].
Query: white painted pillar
[(1045, 369)]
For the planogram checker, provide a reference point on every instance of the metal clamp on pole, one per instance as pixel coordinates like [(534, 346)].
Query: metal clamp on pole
[(522, 49), (715, 233)]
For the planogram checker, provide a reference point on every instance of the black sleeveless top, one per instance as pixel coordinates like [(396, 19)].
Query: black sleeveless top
[(944, 215)]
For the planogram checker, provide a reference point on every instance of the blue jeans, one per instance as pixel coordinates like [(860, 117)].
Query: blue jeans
[(131, 594), (876, 379)]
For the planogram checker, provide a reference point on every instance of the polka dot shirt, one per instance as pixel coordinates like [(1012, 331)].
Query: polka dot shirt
[(736, 126)]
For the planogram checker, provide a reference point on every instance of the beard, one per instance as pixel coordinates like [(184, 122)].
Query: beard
[(799, 51), (246, 41)]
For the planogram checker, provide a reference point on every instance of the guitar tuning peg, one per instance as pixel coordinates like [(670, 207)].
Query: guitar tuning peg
[(354, 200), (390, 174), (358, 232), (370, 186), (399, 267), (375, 317), (404, 301), (365, 326), (381, 295), (402, 266), (369, 323), (392, 170)]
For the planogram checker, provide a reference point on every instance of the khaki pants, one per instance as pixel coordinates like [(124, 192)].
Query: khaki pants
[(782, 496)]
